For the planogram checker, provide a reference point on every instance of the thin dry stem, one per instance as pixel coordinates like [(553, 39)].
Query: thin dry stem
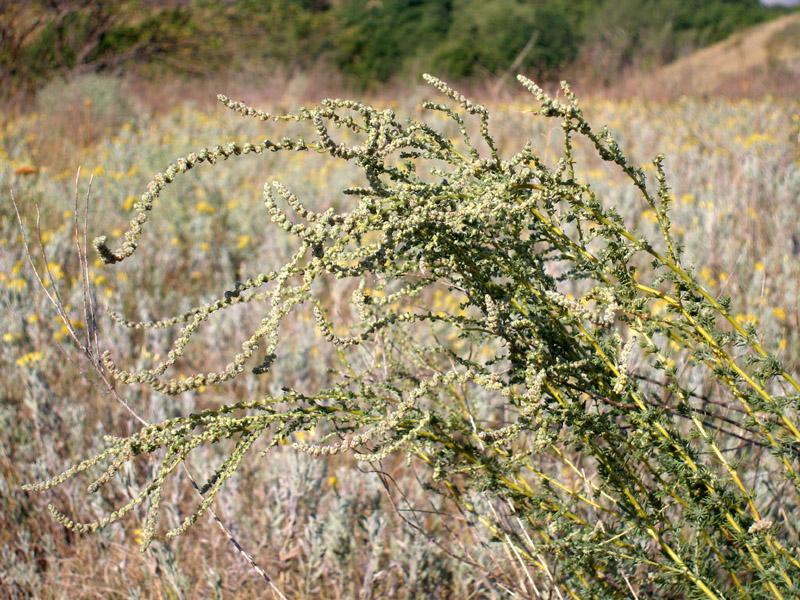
[(90, 346)]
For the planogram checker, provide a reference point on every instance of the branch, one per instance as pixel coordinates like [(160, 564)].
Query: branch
[(89, 346)]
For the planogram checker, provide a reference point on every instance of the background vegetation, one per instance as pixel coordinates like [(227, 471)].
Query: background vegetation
[(368, 44)]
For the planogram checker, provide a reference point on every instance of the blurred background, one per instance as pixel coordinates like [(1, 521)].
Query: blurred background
[(366, 46), (121, 89)]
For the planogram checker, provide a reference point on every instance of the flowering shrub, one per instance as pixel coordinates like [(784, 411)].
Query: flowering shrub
[(556, 396)]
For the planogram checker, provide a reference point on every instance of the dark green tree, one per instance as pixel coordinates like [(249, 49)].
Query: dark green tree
[(489, 38), (374, 44)]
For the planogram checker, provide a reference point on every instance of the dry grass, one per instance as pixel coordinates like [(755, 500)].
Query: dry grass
[(761, 59)]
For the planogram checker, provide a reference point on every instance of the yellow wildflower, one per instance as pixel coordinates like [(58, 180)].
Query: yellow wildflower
[(18, 284), (747, 319), (56, 271), (204, 207), (29, 359)]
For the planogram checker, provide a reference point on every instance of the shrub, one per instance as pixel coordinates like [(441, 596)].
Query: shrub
[(580, 393), (65, 38), (491, 37), (375, 44)]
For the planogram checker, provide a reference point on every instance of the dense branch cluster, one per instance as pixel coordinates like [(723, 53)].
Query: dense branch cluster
[(567, 395)]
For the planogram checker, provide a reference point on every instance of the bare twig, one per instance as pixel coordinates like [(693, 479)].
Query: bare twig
[(385, 478), (89, 346), (517, 61)]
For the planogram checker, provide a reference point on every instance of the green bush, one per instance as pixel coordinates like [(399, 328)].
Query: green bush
[(488, 38), (66, 38), (578, 392), (375, 44)]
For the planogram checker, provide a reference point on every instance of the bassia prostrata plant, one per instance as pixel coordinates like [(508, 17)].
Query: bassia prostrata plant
[(580, 394)]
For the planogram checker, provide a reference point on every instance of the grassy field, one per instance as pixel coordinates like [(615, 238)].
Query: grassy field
[(320, 528)]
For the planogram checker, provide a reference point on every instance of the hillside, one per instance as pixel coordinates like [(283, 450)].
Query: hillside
[(762, 58)]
